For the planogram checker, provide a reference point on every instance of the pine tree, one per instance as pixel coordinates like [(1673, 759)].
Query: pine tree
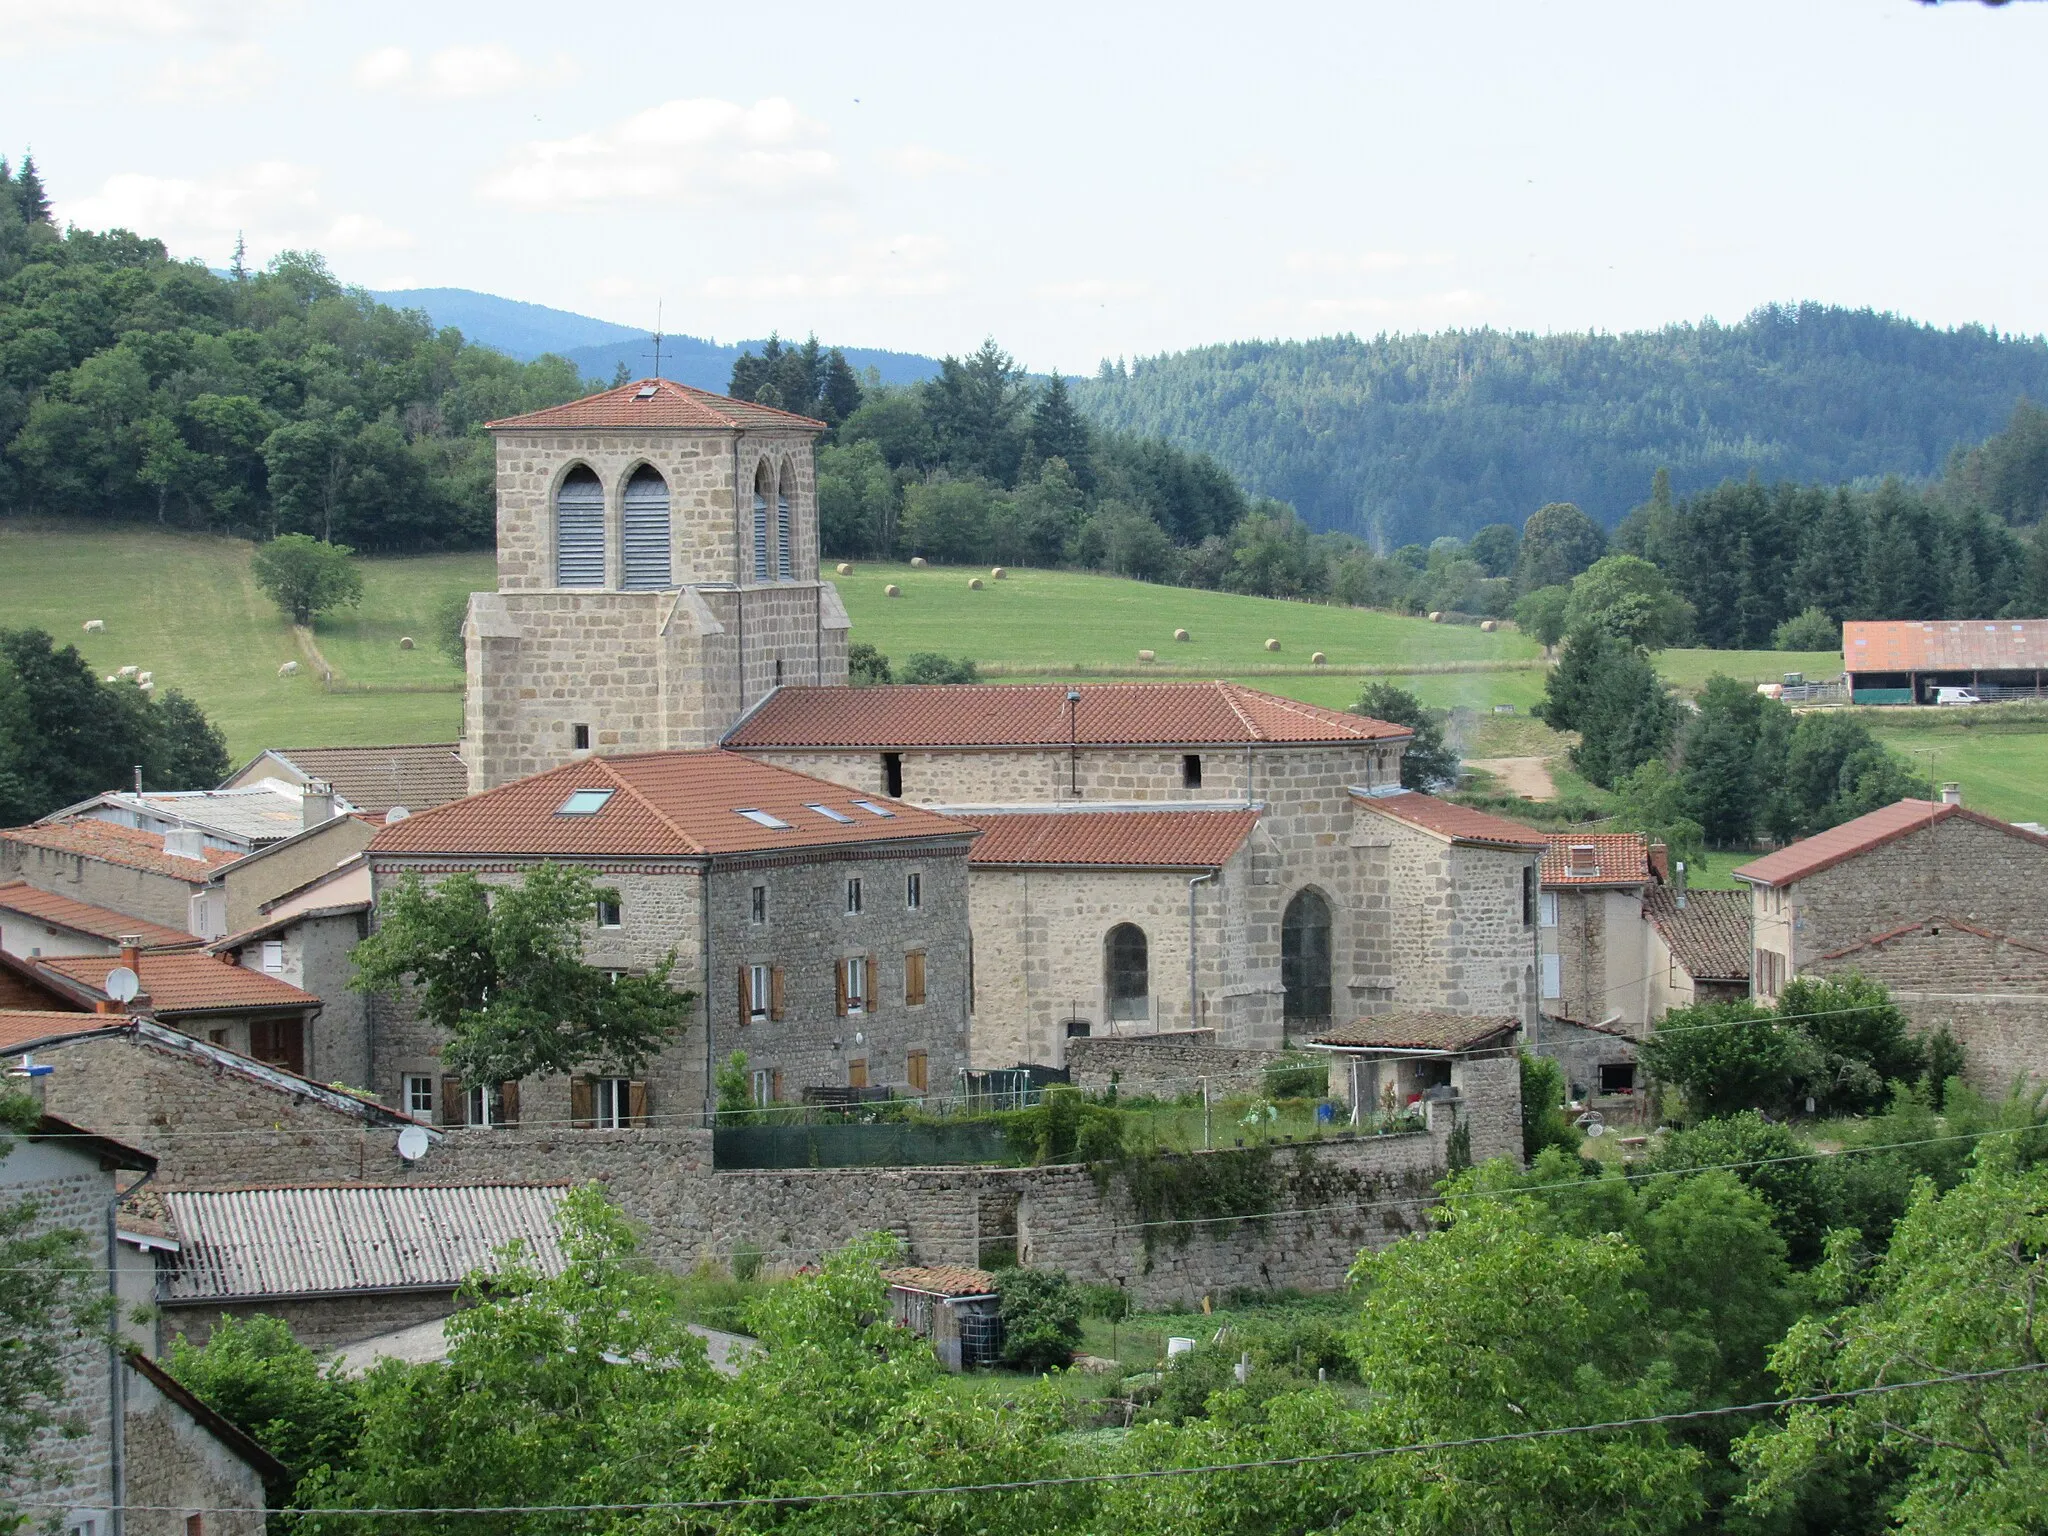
[(1058, 431), (239, 268), (28, 189)]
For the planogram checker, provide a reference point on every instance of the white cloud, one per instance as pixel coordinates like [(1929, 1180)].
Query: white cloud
[(921, 162), (274, 204), (684, 150), (226, 74), (28, 24), (453, 74)]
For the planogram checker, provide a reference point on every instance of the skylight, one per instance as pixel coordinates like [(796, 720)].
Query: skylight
[(647, 392), (584, 802), (829, 814), (766, 819), (875, 810)]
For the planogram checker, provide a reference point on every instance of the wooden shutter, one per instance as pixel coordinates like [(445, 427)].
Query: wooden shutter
[(582, 1102), (508, 1103), (636, 1102), (454, 1104), (775, 993), (918, 1071), (775, 1085), (746, 997), (913, 978), (857, 1072), (873, 1001), (839, 985), (646, 531)]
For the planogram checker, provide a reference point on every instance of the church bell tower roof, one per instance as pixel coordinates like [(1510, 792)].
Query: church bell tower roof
[(658, 403)]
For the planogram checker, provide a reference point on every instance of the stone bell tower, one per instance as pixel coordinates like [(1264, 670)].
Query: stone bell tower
[(657, 577)]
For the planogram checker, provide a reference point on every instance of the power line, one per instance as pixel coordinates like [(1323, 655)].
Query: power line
[(1146, 1474)]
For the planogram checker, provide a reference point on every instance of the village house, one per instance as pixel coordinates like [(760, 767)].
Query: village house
[(168, 879), (35, 923), (1941, 902), (312, 948), (1699, 946), (1596, 966), (823, 933), (374, 780), (1432, 1066)]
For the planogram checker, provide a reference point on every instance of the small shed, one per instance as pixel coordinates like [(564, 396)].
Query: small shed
[(956, 1308)]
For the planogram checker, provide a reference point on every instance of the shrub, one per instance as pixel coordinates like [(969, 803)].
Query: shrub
[(1808, 630), (1544, 1122), (1945, 1060), (1863, 1045), (1041, 1314), (1297, 1079), (866, 666), (930, 667), (1726, 1057), (301, 1410), (1773, 1162)]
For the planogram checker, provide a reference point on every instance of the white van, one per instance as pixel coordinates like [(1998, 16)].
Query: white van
[(1956, 696)]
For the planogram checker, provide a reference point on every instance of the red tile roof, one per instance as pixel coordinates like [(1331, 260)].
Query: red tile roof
[(180, 982), (943, 1280), (1121, 839), (1424, 1029), (19, 1026), (1035, 715), (84, 917), (1459, 823), (663, 804), (1824, 850), (1618, 858), (1971, 645), (670, 405), (1709, 935), (116, 844)]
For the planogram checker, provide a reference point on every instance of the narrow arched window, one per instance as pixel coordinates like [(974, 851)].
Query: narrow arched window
[(1129, 972), (1305, 958), (579, 530), (783, 492), (761, 492), (646, 530)]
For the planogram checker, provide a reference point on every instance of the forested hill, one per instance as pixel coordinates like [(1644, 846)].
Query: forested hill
[(1405, 438)]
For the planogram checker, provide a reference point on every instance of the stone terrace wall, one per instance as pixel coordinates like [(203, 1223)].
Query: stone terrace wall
[(2004, 1035), (1168, 1065)]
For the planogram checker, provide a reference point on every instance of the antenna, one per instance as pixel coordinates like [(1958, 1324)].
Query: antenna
[(657, 338)]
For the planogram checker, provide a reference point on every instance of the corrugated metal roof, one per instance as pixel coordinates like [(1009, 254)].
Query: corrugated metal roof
[(328, 1239), (1972, 645)]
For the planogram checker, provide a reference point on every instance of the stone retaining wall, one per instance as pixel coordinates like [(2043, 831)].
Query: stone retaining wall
[(1168, 1065)]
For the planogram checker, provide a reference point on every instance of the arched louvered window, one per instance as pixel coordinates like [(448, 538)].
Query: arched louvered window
[(783, 492), (761, 490), (579, 530), (646, 530), (1128, 972), (1305, 958)]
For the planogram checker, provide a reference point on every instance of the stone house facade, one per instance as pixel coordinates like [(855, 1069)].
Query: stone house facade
[(187, 1464), (824, 935), (163, 879), (1699, 946), (657, 575), (1596, 959), (312, 950)]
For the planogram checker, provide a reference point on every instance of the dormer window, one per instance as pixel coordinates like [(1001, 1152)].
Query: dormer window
[(1583, 859)]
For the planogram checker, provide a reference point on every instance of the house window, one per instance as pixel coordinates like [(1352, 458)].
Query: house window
[(1549, 907), (913, 978), (614, 1106), (853, 897), (892, 775), (1553, 978), (757, 904), (645, 524), (917, 1072), (1128, 972), (760, 988), (1528, 894), (279, 1043), (764, 1086), (761, 523), (1305, 959), (913, 891), (608, 913), (273, 956), (1191, 770), (579, 530), (485, 1106), (419, 1095), (778, 671), (857, 1072), (853, 985), (1617, 1077), (579, 737)]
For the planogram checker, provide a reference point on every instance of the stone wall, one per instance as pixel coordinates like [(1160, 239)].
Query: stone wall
[(138, 892), (2004, 1035), (1458, 940), (1167, 1066), (1581, 1051), (318, 1322), (1491, 1089), (175, 1466), (287, 866)]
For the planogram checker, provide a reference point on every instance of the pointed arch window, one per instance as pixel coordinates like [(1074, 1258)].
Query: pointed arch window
[(579, 530), (783, 491), (1128, 972), (1305, 958), (761, 489), (646, 531)]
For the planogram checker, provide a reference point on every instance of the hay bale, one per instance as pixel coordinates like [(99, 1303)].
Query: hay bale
[(999, 574), (917, 562), (1488, 626), (892, 590), (405, 642), (1180, 634), (1319, 660), (1436, 616), (95, 626), (289, 669), (974, 583), (844, 568), (1272, 645), (1147, 656)]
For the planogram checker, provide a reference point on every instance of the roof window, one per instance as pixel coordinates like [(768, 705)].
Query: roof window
[(1584, 859), (829, 814), (584, 802), (647, 392), (875, 810), (766, 819)]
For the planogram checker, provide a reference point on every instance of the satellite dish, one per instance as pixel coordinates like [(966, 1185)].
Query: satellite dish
[(413, 1143), (396, 813), (122, 984), (1596, 1129)]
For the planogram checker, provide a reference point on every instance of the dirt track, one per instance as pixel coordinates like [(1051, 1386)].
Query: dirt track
[(1528, 777)]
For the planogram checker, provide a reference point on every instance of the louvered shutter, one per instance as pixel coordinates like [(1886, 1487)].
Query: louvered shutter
[(636, 1101), (782, 565), (579, 531), (646, 531), (746, 997), (454, 1102), (582, 1103), (839, 985), (775, 1085), (760, 536), (775, 994), (872, 1002)]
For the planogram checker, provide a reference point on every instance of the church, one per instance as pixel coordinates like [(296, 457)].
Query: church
[(1145, 858)]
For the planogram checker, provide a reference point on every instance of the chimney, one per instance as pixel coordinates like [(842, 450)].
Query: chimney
[(1952, 793), (1678, 882), (131, 951), (318, 805)]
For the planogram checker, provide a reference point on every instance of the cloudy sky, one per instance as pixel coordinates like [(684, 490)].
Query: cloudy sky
[(1082, 181)]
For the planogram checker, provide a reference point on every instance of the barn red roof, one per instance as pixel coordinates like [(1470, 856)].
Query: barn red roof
[(657, 403), (84, 917), (1036, 715), (661, 804), (1612, 858), (1459, 823), (116, 844), (1975, 645), (1824, 850), (20, 1026), (1121, 839)]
